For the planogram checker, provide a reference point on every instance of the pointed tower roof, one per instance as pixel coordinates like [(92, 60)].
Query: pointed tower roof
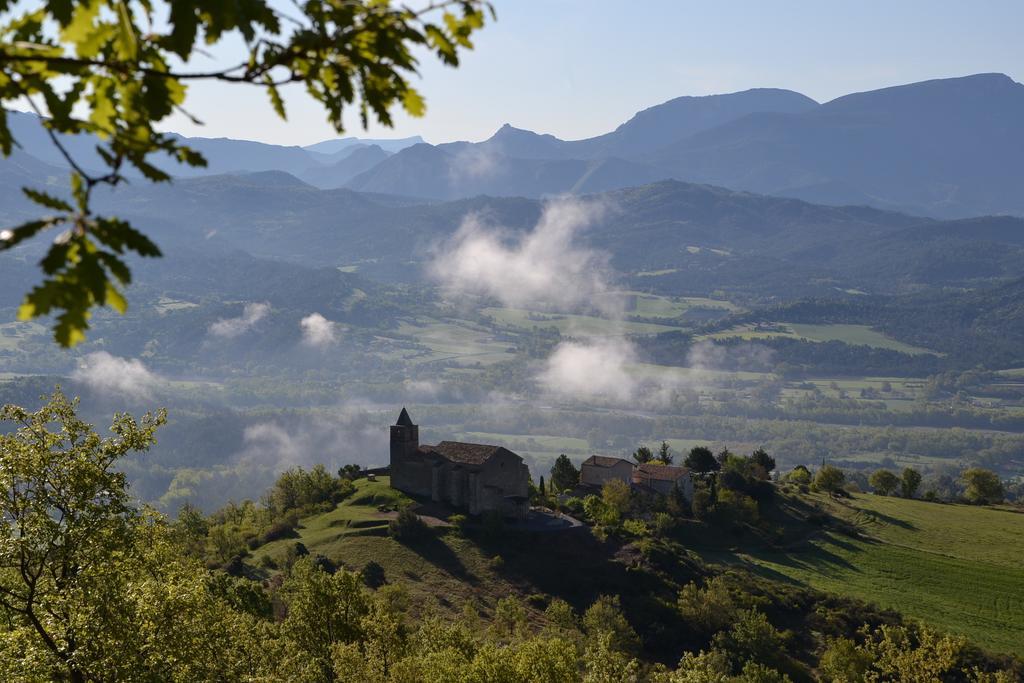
[(404, 419)]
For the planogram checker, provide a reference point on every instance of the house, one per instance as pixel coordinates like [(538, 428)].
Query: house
[(476, 477), (598, 469), (663, 478)]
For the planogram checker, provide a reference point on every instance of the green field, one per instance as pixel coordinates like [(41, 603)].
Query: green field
[(452, 340), (957, 567), (573, 325), (851, 334)]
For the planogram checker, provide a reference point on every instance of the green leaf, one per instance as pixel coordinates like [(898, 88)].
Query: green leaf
[(47, 200), (275, 97), (116, 299), (413, 102), (11, 237)]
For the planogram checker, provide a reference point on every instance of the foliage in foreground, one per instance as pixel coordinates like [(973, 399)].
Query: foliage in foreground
[(109, 69), (93, 589)]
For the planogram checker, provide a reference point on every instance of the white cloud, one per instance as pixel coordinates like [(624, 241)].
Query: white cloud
[(317, 330), (593, 370), (109, 374), (228, 328), (473, 163), (351, 434), (545, 265)]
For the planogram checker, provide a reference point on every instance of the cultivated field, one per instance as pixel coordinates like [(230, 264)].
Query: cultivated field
[(957, 567)]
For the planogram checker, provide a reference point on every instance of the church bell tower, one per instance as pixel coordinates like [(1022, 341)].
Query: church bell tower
[(405, 439)]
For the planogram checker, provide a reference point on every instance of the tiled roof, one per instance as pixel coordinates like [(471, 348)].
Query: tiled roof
[(464, 453), (661, 472), (605, 461)]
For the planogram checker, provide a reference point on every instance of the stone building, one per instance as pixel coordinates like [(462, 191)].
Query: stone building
[(663, 478), (476, 477), (598, 469)]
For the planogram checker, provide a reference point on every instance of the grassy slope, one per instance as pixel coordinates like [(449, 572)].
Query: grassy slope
[(957, 567), (445, 574)]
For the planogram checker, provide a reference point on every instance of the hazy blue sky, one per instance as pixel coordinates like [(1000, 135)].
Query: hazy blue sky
[(576, 68)]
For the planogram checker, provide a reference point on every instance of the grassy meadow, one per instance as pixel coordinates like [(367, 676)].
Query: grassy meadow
[(957, 567)]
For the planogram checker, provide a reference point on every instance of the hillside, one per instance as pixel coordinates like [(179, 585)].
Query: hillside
[(709, 237), (458, 574), (955, 566)]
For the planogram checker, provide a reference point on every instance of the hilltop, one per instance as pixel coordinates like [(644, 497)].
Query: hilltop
[(454, 573)]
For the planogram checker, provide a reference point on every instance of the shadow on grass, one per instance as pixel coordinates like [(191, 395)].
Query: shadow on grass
[(434, 550), (889, 519)]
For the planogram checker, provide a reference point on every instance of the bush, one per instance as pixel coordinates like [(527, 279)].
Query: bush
[(751, 638), (708, 609), (701, 504), (407, 526), (458, 523), (373, 575), (574, 505), (278, 530), (664, 524), (636, 527)]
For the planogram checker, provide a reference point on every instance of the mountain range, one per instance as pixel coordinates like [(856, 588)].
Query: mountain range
[(949, 148)]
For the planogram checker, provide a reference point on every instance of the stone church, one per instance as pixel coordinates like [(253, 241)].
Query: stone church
[(475, 477)]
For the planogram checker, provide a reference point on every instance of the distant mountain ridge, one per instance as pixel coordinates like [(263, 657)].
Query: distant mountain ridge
[(949, 148), (946, 148)]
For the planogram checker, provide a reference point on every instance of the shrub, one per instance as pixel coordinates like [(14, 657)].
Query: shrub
[(708, 609), (751, 638), (574, 505), (373, 575), (636, 527), (701, 504), (664, 524), (278, 530), (407, 526), (844, 661), (458, 523), (605, 617)]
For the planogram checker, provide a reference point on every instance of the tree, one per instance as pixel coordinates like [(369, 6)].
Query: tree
[(564, 475), (829, 479), (64, 511), (323, 609), (701, 460), (605, 617), (543, 494), (88, 583), (109, 69), (643, 454), (665, 453), (616, 495), (909, 481), (799, 475), (751, 638), (709, 609), (761, 458), (982, 487), (884, 482)]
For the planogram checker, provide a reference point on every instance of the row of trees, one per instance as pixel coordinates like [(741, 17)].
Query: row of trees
[(978, 486)]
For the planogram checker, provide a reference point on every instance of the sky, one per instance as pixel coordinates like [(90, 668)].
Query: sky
[(578, 68)]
